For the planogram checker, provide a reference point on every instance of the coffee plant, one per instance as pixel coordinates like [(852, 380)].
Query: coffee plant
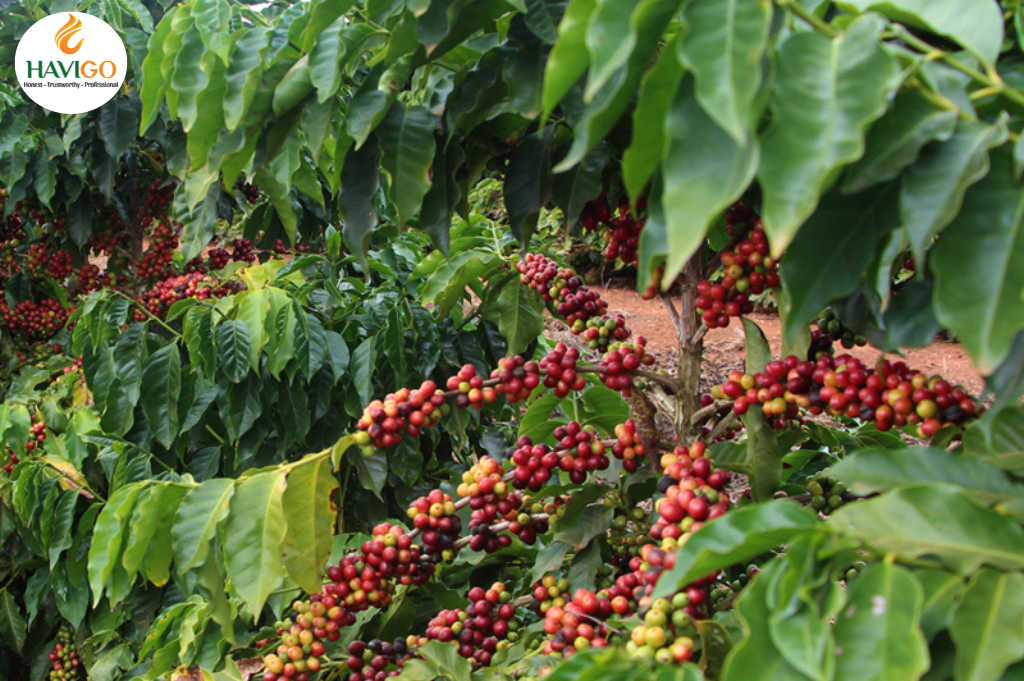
[(284, 398)]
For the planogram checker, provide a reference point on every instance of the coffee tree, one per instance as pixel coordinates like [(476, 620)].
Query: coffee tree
[(265, 246)]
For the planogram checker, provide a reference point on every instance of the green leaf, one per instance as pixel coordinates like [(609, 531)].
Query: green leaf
[(518, 314), (325, 59), (147, 518), (936, 520), (940, 590), (568, 58), (154, 84), (294, 87), (12, 622), (253, 310), (583, 571), (549, 558), (187, 81), (359, 183), (976, 24), (212, 18), (724, 45), (310, 517), (738, 536), (755, 657), (528, 184), (759, 352), (310, 344), (987, 626), (933, 187), (832, 251), (896, 140), (161, 377), (118, 121), (372, 471), (826, 92), (109, 537), (407, 150), (704, 170), (245, 69), (233, 349), (979, 267), (872, 471), (252, 536), (198, 333), (195, 523), (583, 520), (657, 92), (878, 634), (997, 438), (572, 190)]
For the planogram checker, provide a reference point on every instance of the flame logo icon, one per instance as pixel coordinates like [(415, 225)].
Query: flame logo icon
[(66, 33)]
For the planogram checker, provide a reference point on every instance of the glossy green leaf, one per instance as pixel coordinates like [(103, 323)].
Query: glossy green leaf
[(407, 150), (212, 19), (528, 184), (936, 520), (325, 59), (293, 87), (997, 438), (310, 344), (245, 68), (725, 42), (359, 183), (569, 58), (759, 352), (895, 141), (12, 622), (252, 536), (736, 537), (117, 126), (826, 92), (196, 522), (549, 558), (233, 349), (704, 171), (161, 376), (573, 190), (933, 188), (187, 81), (657, 92), (833, 250), (976, 24), (755, 657), (154, 85), (878, 634), (253, 310), (518, 314), (988, 625), (871, 471), (109, 538), (147, 518), (607, 43), (940, 591), (310, 517), (979, 267)]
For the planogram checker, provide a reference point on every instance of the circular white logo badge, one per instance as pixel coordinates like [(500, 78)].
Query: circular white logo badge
[(71, 62)]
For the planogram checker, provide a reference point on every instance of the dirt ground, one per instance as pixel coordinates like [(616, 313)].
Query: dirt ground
[(724, 348)]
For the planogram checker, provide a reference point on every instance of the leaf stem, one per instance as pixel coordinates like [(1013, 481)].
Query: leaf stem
[(149, 314), (799, 10)]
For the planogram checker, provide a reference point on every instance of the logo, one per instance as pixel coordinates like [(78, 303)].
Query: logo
[(64, 35), (71, 62)]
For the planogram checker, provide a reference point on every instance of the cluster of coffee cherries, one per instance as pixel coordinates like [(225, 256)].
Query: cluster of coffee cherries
[(242, 251), (747, 270), (583, 309), (434, 515), (694, 493), (367, 578), (578, 624), (404, 411), (65, 665), (90, 278), (301, 646), (627, 446), (559, 367), (891, 394), (166, 293), (40, 262), (251, 192), (829, 324), (157, 258), (112, 237), (622, 359), (517, 378), (36, 320), (480, 629), (581, 451), (623, 234), (376, 660), (158, 198), (826, 493), (470, 389)]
